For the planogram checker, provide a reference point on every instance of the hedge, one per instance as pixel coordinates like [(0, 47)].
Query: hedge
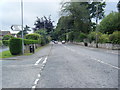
[(5, 42), (15, 46), (27, 41)]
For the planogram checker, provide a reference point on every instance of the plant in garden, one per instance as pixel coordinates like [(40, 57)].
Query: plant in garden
[(7, 37), (115, 37), (15, 46)]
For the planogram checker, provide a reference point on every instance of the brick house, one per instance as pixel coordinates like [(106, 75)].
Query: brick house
[(2, 33)]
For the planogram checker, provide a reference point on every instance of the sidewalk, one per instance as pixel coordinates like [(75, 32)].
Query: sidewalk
[(44, 51)]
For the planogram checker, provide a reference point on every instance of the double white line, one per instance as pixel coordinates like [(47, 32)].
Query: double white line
[(37, 62), (39, 75)]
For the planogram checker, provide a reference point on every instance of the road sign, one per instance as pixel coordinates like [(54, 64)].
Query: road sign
[(16, 27)]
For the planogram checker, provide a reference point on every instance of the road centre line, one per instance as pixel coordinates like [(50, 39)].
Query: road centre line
[(37, 62), (44, 61), (36, 81), (95, 59)]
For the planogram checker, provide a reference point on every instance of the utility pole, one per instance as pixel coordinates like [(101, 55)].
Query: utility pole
[(22, 26), (96, 26)]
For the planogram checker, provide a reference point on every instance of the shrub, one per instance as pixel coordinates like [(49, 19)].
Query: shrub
[(15, 46), (7, 37), (104, 38), (5, 42), (115, 37), (1, 43), (33, 36), (27, 41)]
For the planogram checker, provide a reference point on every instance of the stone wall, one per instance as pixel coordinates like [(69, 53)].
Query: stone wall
[(105, 45)]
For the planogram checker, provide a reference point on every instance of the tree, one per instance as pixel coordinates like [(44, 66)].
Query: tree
[(25, 31), (44, 23), (118, 6), (110, 23)]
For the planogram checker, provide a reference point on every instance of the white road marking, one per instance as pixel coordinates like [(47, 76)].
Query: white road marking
[(45, 60), (39, 75), (33, 87), (105, 63), (37, 62), (94, 58), (36, 81)]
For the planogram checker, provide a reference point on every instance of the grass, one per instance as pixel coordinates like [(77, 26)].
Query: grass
[(7, 54)]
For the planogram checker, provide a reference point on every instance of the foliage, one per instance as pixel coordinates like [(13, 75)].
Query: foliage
[(115, 37), (33, 36), (25, 31), (110, 23), (15, 46), (27, 41), (118, 6), (44, 23), (5, 42), (104, 38), (7, 37), (1, 43)]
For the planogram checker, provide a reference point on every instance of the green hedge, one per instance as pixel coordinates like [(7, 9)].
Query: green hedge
[(15, 46), (5, 42), (27, 41)]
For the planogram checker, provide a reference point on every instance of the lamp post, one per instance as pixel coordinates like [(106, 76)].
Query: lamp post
[(96, 26), (22, 26)]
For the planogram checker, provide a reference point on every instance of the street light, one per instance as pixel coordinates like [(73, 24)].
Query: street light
[(96, 26), (22, 26)]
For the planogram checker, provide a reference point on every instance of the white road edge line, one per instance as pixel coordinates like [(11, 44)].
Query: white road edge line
[(105, 63), (37, 62), (96, 59)]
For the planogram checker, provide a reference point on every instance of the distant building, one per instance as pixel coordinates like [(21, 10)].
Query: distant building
[(3, 33)]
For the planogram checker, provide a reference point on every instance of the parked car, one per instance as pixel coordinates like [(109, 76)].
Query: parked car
[(63, 42), (56, 42)]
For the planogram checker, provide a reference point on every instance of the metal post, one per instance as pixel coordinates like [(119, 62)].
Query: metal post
[(22, 26), (96, 26)]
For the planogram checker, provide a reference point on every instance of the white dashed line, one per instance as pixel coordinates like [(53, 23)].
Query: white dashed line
[(33, 87), (39, 75), (36, 81), (37, 62), (94, 58), (45, 60)]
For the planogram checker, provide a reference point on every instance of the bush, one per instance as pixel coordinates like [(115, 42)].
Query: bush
[(5, 42), (15, 46), (92, 36), (7, 37), (27, 41), (104, 38), (115, 37), (1, 43), (33, 36)]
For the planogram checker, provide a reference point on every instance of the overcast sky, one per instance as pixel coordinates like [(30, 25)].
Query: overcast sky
[(10, 11)]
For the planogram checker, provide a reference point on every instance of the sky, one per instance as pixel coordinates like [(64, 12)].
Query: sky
[(10, 11)]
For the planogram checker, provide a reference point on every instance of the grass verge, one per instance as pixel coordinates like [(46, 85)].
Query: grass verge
[(7, 54)]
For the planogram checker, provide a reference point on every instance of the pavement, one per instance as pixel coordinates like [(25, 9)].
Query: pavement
[(62, 66)]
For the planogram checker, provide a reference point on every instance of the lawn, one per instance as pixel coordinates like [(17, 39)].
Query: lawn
[(7, 54)]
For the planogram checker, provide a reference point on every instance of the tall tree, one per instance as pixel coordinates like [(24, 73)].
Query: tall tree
[(44, 23), (118, 6), (25, 31)]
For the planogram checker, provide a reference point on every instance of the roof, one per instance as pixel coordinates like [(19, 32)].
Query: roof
[(4, 32)]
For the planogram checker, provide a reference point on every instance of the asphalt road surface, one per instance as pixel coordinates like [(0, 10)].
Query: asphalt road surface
[(62, 66)]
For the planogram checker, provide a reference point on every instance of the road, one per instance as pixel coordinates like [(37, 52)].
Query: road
[(62, 66)]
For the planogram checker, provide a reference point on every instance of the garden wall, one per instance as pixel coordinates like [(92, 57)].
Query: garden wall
[(105, 46)]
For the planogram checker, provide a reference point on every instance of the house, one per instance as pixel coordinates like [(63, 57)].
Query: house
[(2, 33)]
